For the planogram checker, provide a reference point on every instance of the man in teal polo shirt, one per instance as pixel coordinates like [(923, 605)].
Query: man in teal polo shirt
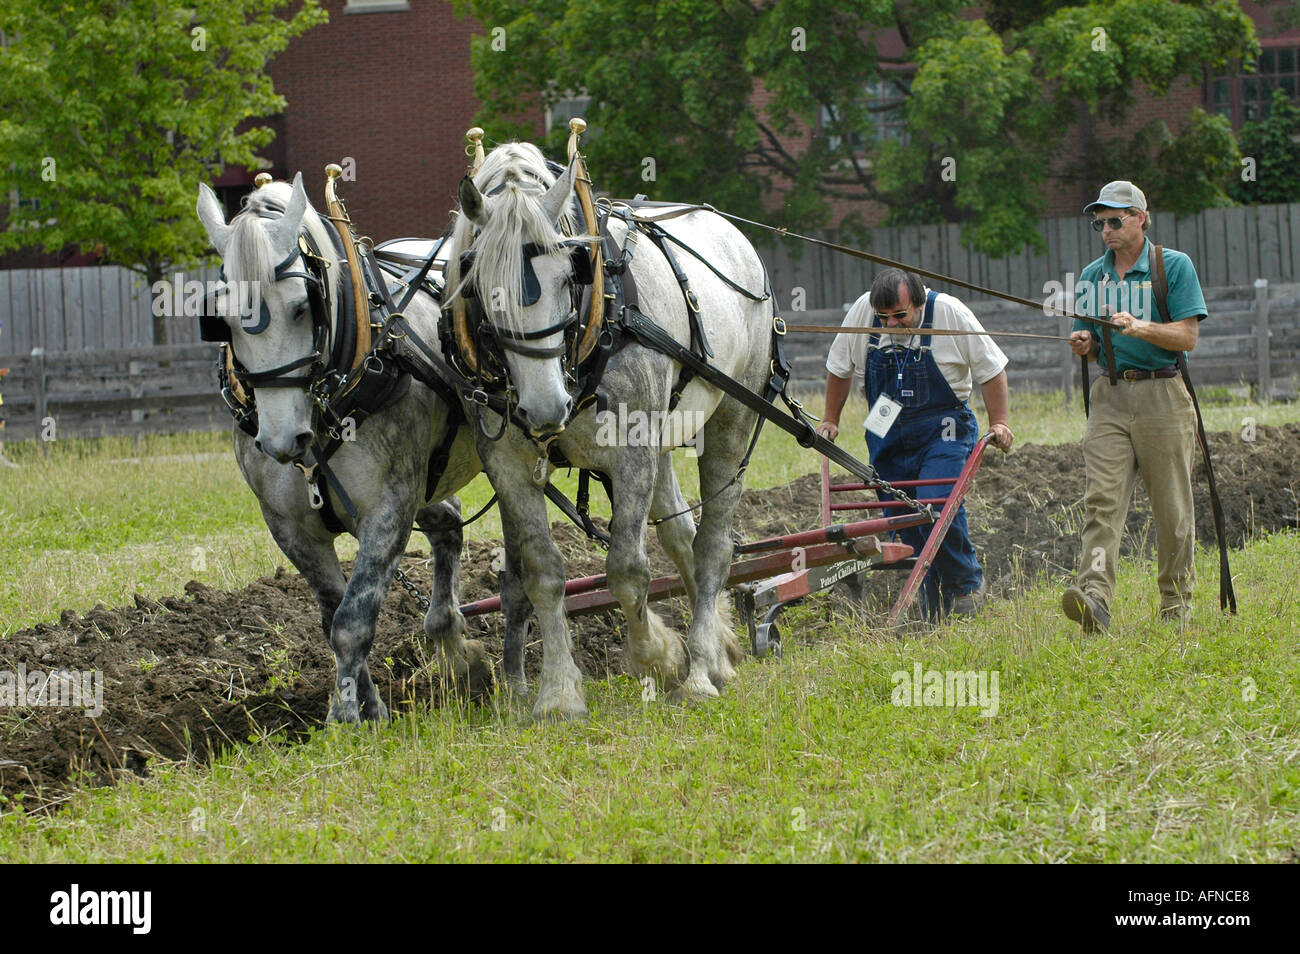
[(1142, 421)]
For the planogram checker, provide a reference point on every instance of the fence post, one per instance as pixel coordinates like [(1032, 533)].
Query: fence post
[(1063, 325), (135, 371), (1264, 375), (38, 382)]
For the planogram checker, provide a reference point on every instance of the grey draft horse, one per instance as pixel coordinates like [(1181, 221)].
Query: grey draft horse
[(384, 470), (515, 212)]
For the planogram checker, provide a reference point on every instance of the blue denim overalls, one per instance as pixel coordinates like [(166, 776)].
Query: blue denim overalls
[(932, 437)]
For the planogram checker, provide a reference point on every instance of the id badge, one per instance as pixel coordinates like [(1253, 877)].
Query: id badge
[(883, 414)]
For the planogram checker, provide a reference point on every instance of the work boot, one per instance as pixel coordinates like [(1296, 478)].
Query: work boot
[(1181, 614), (968, 604), (1085, 609)]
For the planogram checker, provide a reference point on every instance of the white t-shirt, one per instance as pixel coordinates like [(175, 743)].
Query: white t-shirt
[(960, 358)]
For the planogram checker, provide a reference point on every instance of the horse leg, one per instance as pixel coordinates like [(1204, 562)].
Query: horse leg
[(676, 535), (711, 640), (315, 558), (653, 649), (518, 613), (458, 659), (527, 534), (381, 537)]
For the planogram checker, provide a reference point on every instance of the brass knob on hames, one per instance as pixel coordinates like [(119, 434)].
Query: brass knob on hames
[(474, 149), (577, 126)]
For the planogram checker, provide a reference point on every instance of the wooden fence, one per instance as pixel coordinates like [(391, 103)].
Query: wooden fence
[(170, 388), (1252, 336), (1229, 247), (71, 309), (91, 309)]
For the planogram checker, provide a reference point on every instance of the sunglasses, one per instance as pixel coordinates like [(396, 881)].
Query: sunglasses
[(1115, 222), (897, 315)]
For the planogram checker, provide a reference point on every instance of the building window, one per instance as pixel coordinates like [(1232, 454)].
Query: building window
[(376, 6), (1246, 97), (886, 102), (559, 114)]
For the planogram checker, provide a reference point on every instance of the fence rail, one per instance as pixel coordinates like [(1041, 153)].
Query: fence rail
[(170, 388)]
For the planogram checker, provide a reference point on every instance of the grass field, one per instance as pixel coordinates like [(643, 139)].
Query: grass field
[(97, 521), (1152, 744), (1149, 745)]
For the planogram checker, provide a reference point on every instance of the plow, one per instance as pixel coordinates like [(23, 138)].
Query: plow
[(781, 571)]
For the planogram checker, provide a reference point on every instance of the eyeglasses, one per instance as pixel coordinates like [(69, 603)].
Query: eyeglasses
[(896, 316), (1115, 222)]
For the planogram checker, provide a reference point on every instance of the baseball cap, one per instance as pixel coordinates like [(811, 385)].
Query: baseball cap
[(1120, 194)]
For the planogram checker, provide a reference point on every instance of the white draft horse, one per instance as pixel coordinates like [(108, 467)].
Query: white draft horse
[(514, 217), (383, 470)]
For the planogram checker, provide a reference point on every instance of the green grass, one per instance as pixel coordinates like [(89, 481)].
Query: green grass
[(1147, 745), (97, 521)]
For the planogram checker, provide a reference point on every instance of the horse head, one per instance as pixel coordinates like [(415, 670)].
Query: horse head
[(516, 257), (270, 314)]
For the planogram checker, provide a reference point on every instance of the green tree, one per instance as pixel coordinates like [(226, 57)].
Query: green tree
[(112, 111), (1271, 152), (733, 100)]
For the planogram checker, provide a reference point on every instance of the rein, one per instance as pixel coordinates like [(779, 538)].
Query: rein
[(909, 332)]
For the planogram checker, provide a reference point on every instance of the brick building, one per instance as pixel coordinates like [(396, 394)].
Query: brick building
[(388, 85)]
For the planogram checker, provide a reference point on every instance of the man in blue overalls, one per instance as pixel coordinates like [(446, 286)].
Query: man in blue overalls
[(921, 426)]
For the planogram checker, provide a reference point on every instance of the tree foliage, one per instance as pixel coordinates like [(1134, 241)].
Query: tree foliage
[(112, 111), (1271, 148), (735, 100)]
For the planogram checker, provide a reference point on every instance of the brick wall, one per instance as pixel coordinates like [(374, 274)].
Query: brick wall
[(392, 90)]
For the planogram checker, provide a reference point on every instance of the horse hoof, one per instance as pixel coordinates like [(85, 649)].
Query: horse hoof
[(661, 654), (478, 669), (343, 712), (559, 706), (693, 692), (722, 675), (567, 713)]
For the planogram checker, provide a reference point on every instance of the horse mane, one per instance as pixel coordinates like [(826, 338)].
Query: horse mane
[(515, 218), (249, 255)]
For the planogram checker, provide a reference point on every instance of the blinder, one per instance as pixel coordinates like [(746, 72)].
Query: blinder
[(530, 289), (213, 325)]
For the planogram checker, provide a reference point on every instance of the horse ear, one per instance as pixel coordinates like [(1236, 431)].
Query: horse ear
[(213, 219), (471, 202), (284, 232), (556, 200)]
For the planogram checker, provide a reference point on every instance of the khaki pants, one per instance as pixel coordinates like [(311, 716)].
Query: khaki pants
[(1147, 428)]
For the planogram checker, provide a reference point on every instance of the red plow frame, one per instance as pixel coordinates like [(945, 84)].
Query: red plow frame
[(787, 568)]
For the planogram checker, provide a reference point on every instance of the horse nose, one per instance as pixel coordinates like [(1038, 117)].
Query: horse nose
[(285, 454), (542, 424)]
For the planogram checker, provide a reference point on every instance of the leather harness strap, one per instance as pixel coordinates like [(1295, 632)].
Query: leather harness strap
[(1160, 286)]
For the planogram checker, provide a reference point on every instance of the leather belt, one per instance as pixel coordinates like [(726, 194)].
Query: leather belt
[(1141, 374)]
